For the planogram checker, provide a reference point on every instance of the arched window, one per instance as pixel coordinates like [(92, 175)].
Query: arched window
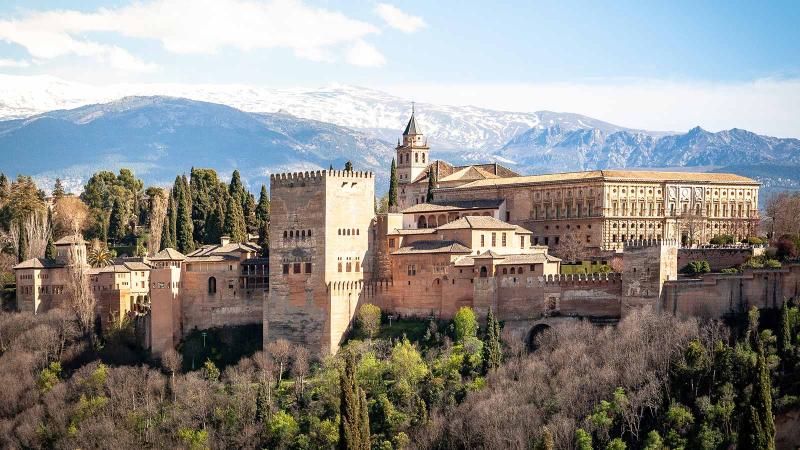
[(348, 232), (484, 272), (423, 157), (303, 234), (285, 234), (309, 233), (416, 157), (291, 233), (212, 285), (421, 223), (513, 271)]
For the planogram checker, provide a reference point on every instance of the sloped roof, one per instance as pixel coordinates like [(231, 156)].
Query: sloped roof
[(402, 231), (168, 254), (468, 173), (228, 249), (455, 205), (70, 240), (477, 222), (445, 170), (411, 128), (464, 261), (536, 258), (489, 254), (615, 175), (38, 263), (432, 247)]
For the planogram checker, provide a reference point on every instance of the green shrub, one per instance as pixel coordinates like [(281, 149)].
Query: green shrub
[(730, 270), (722, 239), (754, 240), (696, 268)]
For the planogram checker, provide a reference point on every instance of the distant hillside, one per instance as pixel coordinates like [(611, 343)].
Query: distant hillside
[(159, 137)]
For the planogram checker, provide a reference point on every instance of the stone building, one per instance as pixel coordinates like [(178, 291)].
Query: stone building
[(321, 233), (605, 208), (42, 282)]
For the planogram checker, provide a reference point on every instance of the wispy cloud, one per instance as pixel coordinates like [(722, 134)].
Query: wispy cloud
[(13, 63), (398, 19), (191, 27)]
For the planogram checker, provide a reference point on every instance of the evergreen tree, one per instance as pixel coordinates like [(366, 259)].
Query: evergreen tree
[(50, 250), (116, 223), (172, 213), (393, 186), (583, 440), (263, 238), (204, 187), (236, 190), (431, 184), (348, 166), (249, 210), (492, 350), (761, 400), (58, 190), (166, 230), (216, 220), (184, 234), (4, 186), (785, 346), (262, 404), (234, 222), (262, 209), (354, 420), (22, 245)]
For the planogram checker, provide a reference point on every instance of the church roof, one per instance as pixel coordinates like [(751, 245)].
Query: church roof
[(447, 172), (411, 128)]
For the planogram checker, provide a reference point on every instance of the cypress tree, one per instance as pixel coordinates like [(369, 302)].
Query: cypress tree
[(431, 184), (50, 250), (249, 210), (349, 410), (262, 209), (348, 166), (216, 220), (166, 230), (184, 234), (116, 223), (761, 401), (234, 222), (236, 189), (263, 238), (785, 346), (22, 245), (363, 425), (393, 186), (203, 185), (492, 350)]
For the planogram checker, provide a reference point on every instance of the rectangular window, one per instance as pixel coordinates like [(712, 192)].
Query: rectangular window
[(349, 266), (412, 270), (296, 267), (546, 240), (508, 216), (522, 242), (504, 239), (536, 240), (391, 243), (557, 238), (483, 241), (308, 267), (494, 239), (358, 266)]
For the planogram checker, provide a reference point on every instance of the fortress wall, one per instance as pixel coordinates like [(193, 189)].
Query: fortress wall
[(718, 258)]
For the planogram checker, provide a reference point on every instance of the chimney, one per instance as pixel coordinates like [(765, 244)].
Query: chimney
[(225, 240)]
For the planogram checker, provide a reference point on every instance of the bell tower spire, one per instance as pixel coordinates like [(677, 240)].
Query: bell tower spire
[(412, 152)]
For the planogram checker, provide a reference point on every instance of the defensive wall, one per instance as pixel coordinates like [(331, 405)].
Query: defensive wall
[(718, 257)]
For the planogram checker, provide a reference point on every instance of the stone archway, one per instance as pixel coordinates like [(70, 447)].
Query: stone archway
[(421, 222)]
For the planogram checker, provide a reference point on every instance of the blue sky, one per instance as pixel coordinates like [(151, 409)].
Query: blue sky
[(628, 61)]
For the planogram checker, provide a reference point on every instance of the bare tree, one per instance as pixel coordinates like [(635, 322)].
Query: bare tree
[(81, 299), (172, 360), (571, 247), (782, 210), (36, 228), (70, 215), (691, 226), (300, 367), (280, 351)]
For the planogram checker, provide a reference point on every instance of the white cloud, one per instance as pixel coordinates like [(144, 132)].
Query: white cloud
[(363, 54), (396, 18), (189, 27), (14, 63), (766, 106)]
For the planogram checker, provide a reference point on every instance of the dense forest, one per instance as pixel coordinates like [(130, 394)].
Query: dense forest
[(652, 381)]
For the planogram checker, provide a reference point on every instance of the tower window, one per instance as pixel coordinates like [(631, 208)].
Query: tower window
[(416, 157), (212, 285)]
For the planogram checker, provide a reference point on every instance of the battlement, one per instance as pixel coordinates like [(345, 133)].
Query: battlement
[(641, 243), (290, 179), (582, 278)]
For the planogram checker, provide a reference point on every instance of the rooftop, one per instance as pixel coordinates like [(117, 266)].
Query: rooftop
[(38, 263), (455, 205), (432, 247), (70, 240), (168, 254), (614, 175), (478, 222)]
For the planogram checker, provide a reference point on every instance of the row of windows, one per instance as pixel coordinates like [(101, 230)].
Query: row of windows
[(569, 193), (296, 234), (349, 266), (564, 211), (349, 232), (408, 156), (632, 237), (297, 268), (503, 240)]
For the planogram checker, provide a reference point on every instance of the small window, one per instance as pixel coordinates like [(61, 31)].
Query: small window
[(483, 241), (212, 285), (349, 266), (505, 271), (358, 266), (391, 243), (494, 239), (309, 233), (296, 267), (308, 267), (285, 234), (504, 239), (340, 266)]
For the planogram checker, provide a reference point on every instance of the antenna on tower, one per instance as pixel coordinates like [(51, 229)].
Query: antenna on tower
[(412, 107)]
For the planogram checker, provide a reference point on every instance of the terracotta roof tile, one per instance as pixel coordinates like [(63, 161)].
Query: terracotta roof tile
[(432, 247)]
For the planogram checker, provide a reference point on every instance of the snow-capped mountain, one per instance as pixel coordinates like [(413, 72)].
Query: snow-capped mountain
[(380, 114), (159, 137)]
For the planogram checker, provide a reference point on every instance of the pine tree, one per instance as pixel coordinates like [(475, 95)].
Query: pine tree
[(50, 250), (393, 186), (184, 233), (492, 350), (234, 223), (116, 224), (431, 184), (262, 209), (58, 190), (785, 346), (348, 166), (22, 245)]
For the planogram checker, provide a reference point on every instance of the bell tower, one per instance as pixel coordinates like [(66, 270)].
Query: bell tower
[(412, 153)]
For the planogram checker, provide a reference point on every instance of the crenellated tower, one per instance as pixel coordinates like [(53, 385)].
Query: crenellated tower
[(412, 152)]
